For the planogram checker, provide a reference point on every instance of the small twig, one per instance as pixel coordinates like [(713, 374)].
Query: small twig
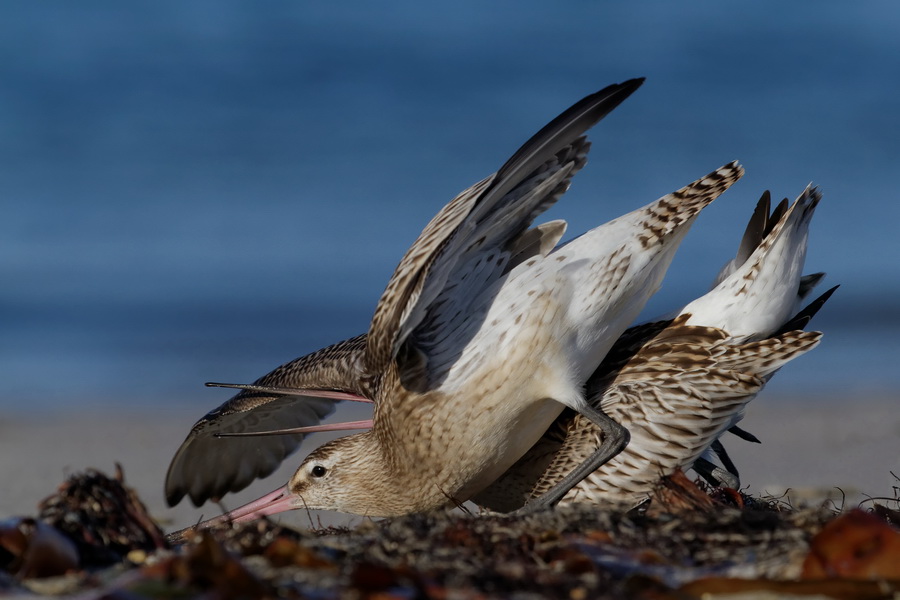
[(460, 505)]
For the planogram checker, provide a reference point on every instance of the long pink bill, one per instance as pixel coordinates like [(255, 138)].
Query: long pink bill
[(279, 501), (283, 391), (345, 426)]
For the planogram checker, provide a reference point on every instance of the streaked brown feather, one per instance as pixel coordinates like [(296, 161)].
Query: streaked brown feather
[(205, 466), (425, 268)]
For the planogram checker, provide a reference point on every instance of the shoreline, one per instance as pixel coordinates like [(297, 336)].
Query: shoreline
[(813, 447)]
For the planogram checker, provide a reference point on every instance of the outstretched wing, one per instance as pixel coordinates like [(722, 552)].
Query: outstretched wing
[(207, 466), (472, 238)]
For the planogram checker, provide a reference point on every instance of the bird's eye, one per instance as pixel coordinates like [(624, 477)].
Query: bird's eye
[(319, 471)]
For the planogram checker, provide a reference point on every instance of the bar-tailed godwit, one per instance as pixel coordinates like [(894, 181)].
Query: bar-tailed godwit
[(678, 384), (485, 332)]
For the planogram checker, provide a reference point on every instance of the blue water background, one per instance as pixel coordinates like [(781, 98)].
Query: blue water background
[(198, 191)]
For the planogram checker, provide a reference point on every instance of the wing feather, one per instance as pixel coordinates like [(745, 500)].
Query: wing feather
[(207, 467), (449, 242)]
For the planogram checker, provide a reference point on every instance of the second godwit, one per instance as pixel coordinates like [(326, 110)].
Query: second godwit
[(678, 384)]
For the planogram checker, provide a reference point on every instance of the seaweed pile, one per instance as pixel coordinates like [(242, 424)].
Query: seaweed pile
[(94, 537)]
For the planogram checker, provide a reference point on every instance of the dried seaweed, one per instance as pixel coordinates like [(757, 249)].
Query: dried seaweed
[(688, 542), (104, 518)]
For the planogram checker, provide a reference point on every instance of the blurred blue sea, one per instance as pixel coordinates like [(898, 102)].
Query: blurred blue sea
[(202, 191)]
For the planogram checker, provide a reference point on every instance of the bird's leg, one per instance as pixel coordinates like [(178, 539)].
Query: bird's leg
[(615, 438), (729, 465), (715, 475)]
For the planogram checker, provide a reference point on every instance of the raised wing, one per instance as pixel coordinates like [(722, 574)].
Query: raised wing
[(476, 232), (207, 466), (758, 228), (766, 289)]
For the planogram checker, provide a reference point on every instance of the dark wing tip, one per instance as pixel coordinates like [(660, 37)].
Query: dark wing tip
[(744, 434), (756, 228), (808, 282), (571, 123), (174, 496), (802, 318), (174, 489)]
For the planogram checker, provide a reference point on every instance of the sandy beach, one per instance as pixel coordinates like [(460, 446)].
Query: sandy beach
[(810, 446)]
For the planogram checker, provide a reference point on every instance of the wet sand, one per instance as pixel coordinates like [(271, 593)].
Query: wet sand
[(812, 446)]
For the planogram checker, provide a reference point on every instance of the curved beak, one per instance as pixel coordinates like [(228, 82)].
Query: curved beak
[(279, 501)]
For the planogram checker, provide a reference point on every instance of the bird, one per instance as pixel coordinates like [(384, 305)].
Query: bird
[(486, 331), (678, 384), (657, 362), (713, 357)]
